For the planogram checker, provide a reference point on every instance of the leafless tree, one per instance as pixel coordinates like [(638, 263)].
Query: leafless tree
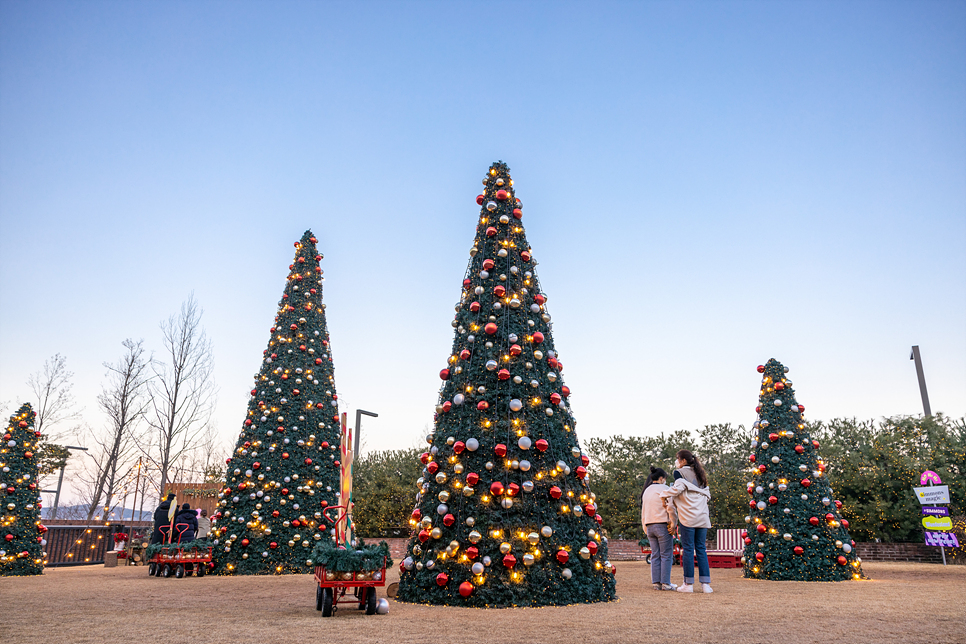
[(124, 400), (182, 391), (55, 401)]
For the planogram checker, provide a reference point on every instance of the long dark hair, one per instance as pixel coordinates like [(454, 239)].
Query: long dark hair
[(656, 473), (692, 461)]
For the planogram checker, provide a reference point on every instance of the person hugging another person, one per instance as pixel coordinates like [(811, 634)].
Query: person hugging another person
[(658, 526), (689, 497)]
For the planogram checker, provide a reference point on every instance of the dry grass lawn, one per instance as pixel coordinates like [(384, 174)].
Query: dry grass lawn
[(903, 603)]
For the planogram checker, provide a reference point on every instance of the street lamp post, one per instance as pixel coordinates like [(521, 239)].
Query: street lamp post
[(359, 414), (922, 380)]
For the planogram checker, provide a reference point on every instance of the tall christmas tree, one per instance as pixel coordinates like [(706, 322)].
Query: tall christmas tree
[(796, 531), (285, 468), (21, 549), (504, 514)]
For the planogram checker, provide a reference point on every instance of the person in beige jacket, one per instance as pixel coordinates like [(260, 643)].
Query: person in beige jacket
[(658, 526), (689, 497)]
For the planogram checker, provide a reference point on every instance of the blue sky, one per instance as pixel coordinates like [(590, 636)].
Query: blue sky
[(707, 185)]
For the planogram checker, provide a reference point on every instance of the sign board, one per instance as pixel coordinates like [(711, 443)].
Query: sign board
[(937, 523), (934, 512), (932, 494), (928, 477), (943, 539)]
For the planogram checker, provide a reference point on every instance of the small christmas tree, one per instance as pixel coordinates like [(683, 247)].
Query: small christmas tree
[(504, 516), (796, 531), (21, 547), (285, 468)]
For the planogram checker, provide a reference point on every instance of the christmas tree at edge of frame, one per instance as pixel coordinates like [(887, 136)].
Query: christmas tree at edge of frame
[(285, 467), (796, 532), (21, 548), (504, 515)]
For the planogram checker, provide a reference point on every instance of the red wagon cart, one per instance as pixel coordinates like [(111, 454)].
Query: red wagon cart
[(177, 559), (333, 586)]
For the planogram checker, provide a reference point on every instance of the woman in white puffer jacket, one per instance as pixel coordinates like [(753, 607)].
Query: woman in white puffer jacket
[(689, 496)]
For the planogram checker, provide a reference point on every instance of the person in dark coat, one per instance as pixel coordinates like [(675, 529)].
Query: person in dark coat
[(185, 516), (161, 518)]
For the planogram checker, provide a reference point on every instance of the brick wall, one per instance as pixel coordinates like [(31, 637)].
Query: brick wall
[(917, 552)]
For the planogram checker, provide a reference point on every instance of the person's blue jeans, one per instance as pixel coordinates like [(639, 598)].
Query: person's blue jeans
[(662, 552), (694, 542)]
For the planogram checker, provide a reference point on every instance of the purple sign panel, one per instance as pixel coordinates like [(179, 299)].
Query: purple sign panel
[(934, 512), (946, 539)]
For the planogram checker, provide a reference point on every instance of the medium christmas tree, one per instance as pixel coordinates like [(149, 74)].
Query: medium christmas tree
[(285, 468), (21, 550), (796, 530), (504, 516)]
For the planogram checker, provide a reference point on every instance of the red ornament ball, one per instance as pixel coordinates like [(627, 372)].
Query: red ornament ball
[(466, 589), (799, 550), (779, 386), (773, 437), (442, 579), (762, 468), (501, 195), (490, 328), (472, 478), (491, 231), (518, 213), (563, 556), (580, 472), (830, 517), (806, 482), (515, 349), (761, 368), (555, 398), (433, 467), (472, 552), (799, 449), (423, 536), (449, 520), (842, 560), (845, 523), (537, 337), (513, 489), (499, 449), (761, 528), (499, 290), (425, 458), (555, 492), (458, 447), (838, 504), (760, 557), (813, 520), (509, 561), (487, 265), (444, 374), (773, 500), (482, 405), (496, 488), (474, 307), (504, 374), (480, 199), (565, 391), (447, 406), (273, 545), (542, 445), (525, 256)]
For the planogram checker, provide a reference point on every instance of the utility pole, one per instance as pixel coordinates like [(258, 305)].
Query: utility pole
[(60, 483), (922, 380), (359, 414)]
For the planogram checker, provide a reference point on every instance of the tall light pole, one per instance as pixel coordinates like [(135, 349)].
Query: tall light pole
[(359, 414), (60, 483), (922, 380)]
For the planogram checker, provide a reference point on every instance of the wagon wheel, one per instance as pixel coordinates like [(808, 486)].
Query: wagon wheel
[(326, 602), (189, 570), (166, 571), (361, 595), (152, 569), (371, 601), (179, 571), (318, 598), (647, 559), (202, 569)]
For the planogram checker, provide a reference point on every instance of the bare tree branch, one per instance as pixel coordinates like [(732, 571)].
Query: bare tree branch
[(124, 401), (182, 392), (55, 401)]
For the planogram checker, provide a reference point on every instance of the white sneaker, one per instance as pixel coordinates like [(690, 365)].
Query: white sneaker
[(669, 587), (685, 588), (706, 588)]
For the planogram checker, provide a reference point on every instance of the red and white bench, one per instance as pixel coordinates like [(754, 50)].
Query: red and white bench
[(729, 547)]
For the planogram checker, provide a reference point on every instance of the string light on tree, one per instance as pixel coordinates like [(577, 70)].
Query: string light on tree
[(503, 449), (285, 467), (21, 532), (795, 531)]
